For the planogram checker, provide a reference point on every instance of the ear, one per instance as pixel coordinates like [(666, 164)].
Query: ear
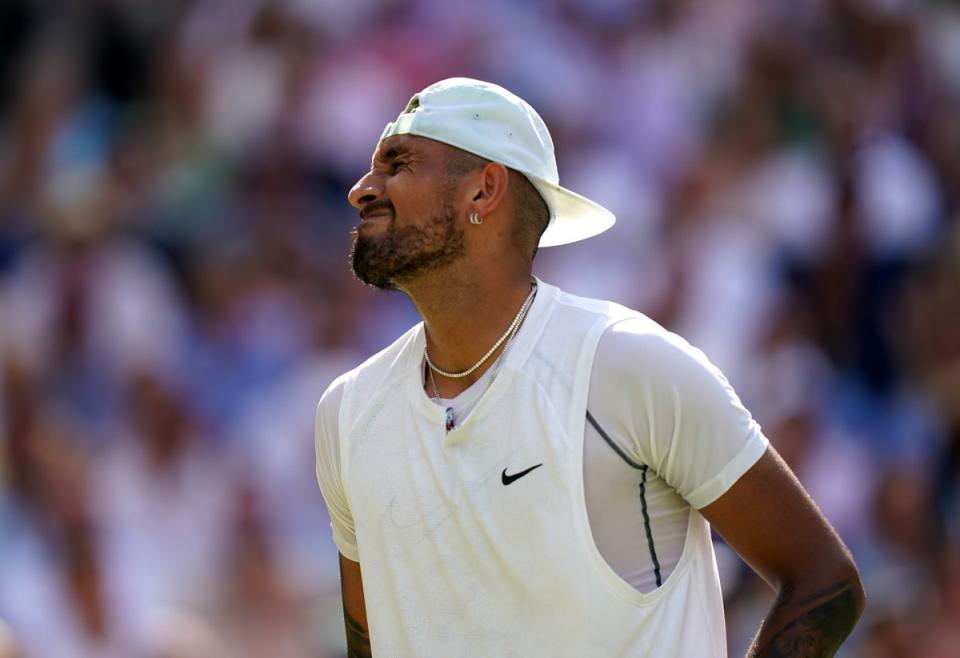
[(490, 190)]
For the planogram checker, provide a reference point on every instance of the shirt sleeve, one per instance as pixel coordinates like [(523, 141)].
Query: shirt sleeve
[(327, 445), (669, 407)]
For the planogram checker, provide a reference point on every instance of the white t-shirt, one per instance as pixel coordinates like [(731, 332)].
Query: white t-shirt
[(638, 534)]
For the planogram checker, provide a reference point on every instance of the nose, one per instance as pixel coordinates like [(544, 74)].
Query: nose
[(367, 189)]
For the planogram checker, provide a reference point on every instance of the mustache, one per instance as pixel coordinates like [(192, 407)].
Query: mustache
[(376, 206)]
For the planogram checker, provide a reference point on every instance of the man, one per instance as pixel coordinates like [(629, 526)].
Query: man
[(529, 473)]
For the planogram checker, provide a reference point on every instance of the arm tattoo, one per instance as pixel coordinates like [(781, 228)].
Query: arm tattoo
[(814, 626), (358, 638)]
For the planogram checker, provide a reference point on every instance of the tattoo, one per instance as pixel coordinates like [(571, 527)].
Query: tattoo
[(358, 638), (817, 626)]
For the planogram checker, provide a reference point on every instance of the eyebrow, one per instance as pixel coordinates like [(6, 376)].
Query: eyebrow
[(392, 153)]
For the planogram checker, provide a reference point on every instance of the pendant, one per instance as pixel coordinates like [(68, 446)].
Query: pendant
[(449, 423)]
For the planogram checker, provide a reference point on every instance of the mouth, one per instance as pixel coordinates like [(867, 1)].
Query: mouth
[(373, 219)]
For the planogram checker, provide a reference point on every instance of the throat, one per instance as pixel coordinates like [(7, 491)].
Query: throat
[(496, 349)]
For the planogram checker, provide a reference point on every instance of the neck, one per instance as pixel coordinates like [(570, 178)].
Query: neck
[(464, 316)]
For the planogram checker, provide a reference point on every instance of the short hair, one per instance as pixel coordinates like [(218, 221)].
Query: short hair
[(532, 213), (460, 162)]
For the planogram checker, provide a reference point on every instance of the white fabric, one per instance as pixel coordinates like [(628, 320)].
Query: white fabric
[(629, 359), (489, 121), (436, 532), (649, 387)]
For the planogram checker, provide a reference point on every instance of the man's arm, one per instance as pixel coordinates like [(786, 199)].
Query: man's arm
[(354, 609), (771, 522)]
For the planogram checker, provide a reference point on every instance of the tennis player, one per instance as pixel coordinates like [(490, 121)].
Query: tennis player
[(531, 473)]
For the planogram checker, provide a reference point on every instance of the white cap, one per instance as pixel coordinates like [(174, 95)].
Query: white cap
[(487, 120)]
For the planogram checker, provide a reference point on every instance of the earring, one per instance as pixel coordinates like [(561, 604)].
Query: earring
[(475, 218)]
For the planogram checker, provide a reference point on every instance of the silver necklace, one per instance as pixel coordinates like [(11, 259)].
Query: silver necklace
[(449, 422), (517, 319)]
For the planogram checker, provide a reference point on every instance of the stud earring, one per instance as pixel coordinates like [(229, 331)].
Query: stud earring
[(475, 218)]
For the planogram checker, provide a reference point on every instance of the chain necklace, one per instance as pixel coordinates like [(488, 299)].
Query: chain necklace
[(511, 332), (448, 422), (517, 319)]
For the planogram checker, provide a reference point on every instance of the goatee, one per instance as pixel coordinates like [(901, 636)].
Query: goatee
[(399, 255)]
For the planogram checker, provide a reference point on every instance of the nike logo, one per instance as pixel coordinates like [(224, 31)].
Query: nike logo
[(508, 479)]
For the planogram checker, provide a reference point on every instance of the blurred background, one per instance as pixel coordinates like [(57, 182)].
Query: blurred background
[(175, 294)]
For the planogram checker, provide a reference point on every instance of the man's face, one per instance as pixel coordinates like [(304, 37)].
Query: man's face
[(408, 215)]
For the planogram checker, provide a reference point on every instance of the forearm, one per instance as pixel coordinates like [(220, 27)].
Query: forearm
[(809, 624), (354, 609), (358, 638)]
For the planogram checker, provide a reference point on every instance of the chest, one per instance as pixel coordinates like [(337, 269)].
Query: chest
[(511, 470)]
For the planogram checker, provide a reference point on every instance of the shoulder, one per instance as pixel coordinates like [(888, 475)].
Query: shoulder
[(589, 305), (329, 405), (639, 356), (572, 319), (392, 360), (672, 409), (631, 339), (378, 371), (639, 341)]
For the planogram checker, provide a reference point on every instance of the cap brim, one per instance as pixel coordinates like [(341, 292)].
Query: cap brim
[(572, 217)]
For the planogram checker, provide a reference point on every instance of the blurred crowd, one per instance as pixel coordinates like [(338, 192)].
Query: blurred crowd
[(175, 294)]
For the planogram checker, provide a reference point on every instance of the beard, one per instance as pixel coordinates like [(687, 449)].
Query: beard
[(399, 255)]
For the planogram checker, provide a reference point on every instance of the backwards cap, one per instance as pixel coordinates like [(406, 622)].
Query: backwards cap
[(487, 120)]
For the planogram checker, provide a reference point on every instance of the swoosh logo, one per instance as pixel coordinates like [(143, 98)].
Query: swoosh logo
[(509, 479)]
